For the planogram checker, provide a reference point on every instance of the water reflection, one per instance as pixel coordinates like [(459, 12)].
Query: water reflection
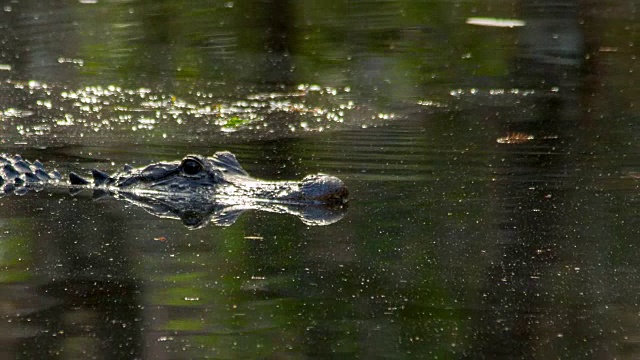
[(529, 304), (533, 183), (81, 297), (491, 209)]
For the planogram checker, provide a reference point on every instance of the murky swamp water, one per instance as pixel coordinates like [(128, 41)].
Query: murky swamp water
[(490, 150)]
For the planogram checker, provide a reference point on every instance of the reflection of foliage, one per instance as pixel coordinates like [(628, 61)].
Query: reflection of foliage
[(236, 122), (14, 256), (425, 42)]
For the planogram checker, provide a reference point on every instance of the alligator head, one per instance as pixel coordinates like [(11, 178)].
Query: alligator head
[(217, 189)]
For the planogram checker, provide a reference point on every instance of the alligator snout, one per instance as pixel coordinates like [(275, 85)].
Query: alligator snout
[(324, 188)]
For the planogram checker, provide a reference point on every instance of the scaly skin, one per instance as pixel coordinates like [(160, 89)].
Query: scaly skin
[(196, 189), (18, 175)]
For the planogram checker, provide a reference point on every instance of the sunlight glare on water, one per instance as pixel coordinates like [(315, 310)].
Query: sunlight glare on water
[(113, 109)]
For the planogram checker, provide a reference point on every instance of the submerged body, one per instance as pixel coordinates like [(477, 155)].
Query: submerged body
[(216, 187)]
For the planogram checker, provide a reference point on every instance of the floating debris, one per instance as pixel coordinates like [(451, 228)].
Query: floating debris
[(495, 22), (515, 138), (521, 138)]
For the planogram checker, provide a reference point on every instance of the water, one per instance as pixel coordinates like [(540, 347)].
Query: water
[(493, 205)]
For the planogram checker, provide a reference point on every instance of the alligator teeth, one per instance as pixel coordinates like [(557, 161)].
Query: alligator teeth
[(100, 177), (127, 168), (76, 179)]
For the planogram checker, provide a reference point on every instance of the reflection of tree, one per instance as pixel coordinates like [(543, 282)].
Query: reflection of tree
[(30, 47), (518, 298), (95, 318), (83, 271), (528, 309)]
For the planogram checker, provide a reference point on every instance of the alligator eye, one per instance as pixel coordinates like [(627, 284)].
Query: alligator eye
[(191, 166)]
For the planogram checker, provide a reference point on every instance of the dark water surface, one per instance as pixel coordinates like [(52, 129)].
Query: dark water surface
[(490, 149)]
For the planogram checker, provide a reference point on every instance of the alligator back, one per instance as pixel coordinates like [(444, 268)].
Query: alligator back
[(18, 175)]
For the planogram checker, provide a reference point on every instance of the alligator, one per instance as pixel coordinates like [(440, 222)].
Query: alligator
[(197, 190)]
